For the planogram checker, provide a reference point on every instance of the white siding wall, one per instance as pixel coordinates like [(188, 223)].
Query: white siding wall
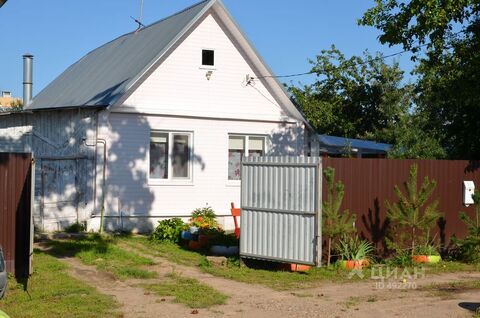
[(129, 191), (178, 97), (179, 85)]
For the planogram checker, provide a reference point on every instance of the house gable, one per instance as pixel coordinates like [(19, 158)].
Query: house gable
[(182, 86)]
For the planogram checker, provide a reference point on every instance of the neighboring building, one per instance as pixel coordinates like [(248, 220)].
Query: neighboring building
[(154, 124), (7, 100), (338, 146)]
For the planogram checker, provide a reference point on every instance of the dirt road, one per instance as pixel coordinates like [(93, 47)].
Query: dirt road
[(360, 299)]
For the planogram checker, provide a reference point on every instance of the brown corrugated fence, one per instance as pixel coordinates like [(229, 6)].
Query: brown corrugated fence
[(369, 182), (15, 215)]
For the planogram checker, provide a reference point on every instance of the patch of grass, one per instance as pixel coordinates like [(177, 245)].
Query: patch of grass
[(302, 295), (188, 291), (105, 255), (371, 299), (450, 267), (352, 301), (275, 279), (55, 294), (168, 250), (446, 290)]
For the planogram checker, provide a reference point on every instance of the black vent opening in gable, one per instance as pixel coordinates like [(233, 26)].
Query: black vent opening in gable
[(208, 57)]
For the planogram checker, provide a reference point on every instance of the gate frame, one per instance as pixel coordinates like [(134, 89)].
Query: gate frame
[(317, 210)]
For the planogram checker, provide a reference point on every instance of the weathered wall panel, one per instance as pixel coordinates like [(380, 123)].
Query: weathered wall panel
[(61, 136), (281, 209)]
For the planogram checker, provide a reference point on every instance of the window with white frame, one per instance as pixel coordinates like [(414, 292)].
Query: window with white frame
[(170, 155), (243, 145)]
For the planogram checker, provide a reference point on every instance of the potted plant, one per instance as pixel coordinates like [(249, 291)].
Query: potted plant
[(355, 253), (426, 254), (203, 225)]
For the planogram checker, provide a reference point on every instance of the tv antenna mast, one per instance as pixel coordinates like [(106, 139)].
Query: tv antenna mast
[(139, 20)]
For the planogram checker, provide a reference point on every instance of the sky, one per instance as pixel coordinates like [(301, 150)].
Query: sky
[(286, 33)]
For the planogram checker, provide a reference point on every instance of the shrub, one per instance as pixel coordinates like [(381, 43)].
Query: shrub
[(168, 230), (225, 240), (426, 250), (353, 248), (402, 259), (75, 228), (468, 249)]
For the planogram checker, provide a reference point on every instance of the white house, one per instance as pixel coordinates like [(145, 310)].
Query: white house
[(154, 124)]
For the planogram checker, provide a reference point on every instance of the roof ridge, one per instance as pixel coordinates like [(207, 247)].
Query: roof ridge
[(172, 15), (148, 26)]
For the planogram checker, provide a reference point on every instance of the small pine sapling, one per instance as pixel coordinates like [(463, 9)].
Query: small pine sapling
[(335, 223), (412, 213)]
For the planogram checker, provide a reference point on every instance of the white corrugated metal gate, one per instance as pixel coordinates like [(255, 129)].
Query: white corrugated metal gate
[(281, 209)]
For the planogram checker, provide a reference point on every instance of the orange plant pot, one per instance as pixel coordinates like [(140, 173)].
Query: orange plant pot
[(299, 267), (359, 264), (420, 259)]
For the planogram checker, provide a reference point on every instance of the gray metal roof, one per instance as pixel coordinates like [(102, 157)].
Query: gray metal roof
[(364, 145), (102, 76)]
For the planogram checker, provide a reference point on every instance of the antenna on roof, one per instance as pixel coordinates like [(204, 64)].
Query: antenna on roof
[(139, 20)]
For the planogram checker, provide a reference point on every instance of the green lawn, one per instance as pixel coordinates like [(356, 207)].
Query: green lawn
[(105, 255), (188, 291), (53, 293), (279, 280), (276, 279)]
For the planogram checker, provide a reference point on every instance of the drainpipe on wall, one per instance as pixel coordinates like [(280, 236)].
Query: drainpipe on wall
[(27, 78), (104, 143)]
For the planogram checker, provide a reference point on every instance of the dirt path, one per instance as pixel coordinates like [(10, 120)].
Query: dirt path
[(360, 299)]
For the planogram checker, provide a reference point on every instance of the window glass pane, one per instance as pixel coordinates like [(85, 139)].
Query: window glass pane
[(236, 150), (159, 156), (256, 146), (180, 156), (208, 57), (236, 142)]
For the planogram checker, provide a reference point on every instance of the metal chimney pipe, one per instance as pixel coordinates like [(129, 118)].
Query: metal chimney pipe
[(27, 78)]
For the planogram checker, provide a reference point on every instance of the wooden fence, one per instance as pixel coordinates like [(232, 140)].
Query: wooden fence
[(369, 182)]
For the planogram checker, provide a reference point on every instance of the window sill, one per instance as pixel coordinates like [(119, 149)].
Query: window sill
[(162, 183), (207, 68), (234, 183)]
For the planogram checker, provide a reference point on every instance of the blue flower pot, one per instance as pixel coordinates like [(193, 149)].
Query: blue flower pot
[(186, 235)]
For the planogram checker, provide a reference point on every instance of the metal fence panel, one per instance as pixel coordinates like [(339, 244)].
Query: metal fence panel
[(370, 182), (281, 210), (15, 211)]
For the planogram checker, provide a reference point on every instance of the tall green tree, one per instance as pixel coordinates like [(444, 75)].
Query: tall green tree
[(414, 138), (411, 23), (449, 95), (449, 69), (358, 97)]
